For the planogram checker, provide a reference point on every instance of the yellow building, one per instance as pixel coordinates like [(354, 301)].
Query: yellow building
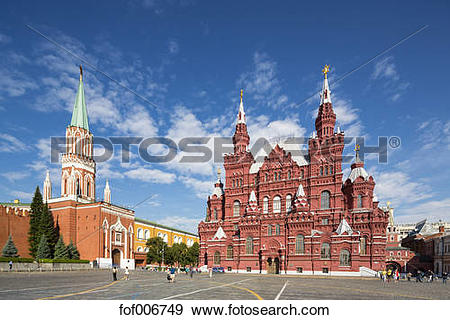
[(144, 229)]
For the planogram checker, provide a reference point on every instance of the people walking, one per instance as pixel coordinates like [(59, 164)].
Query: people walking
[(127, 273), (210, 272), (191, 271), (383, 275), (10, 264), (444, 277), (114, 272), (408, 276)]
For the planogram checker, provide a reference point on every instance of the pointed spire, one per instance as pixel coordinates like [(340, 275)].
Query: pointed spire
[(79, 115), (218, 186), (357, 148), (344, 227), (107, 193), (47, 187), (300, 191), (325, 95), (241, 114)]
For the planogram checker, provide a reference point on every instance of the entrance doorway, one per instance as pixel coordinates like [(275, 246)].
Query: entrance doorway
[(116, 257), (273, 266)]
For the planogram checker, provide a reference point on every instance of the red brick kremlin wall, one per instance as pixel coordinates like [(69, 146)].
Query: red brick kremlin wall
[(15, 221)]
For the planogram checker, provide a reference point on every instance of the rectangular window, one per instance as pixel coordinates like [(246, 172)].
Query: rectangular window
[(324, 270), (299, 270), (249, 269), (118, 237)]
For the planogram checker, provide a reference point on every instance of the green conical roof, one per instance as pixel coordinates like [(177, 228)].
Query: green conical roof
[(79, 115)]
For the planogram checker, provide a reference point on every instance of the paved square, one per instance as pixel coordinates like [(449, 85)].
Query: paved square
[(97, 284)]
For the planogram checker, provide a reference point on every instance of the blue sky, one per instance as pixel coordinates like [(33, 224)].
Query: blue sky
[(191, 58)]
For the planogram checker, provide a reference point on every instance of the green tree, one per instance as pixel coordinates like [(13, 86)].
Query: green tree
[(192, 254), (179, 251), (61, 251), (43, 251), (169, 256), (35, 218), (47, 228), (73, 251), (9, 250), (156, 246)]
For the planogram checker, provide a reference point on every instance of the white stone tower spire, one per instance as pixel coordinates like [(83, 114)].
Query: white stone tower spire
[(241, 114), (107, 193), (47, 187), (325, 95)]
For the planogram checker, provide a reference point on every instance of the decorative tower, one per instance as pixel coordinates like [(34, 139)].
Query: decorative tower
[(216, 201), (326, 118), (78, 165), (107, 193), (241, 139), (47, 187)]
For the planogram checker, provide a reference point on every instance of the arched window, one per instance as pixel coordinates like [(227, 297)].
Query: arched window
[(266, 178), (233, 183), (249, 245), (139, 233), (279, 175), (289, 174), (325, 200), (266, 205), (236, 208), (326, 170), (269, 230), (359, 201), (325, 251), (277, 204), (275, 176), (331, 170), (321, 171), (300, 244), (139, 249), (302, 173), (215, 213), (240, 182), (362, 245), (344, 258), (277, 229), (288, 203), (88, 187), (146, 234), (217, 257), (230, 252), (78, 187)]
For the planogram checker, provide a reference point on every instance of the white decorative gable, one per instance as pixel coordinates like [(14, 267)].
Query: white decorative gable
[(344, 227), (358, 172), (118, 226), (220, 234)]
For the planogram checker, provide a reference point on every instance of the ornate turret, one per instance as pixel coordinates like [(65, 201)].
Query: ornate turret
[(218, 186), (326, 118), (78, 165), (107, 193), (47, 187), (241, 139)]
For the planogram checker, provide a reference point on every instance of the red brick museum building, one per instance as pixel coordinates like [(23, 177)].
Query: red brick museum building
[(293, 213)]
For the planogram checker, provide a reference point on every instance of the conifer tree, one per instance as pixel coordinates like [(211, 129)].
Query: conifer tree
[(9, 250), (35, 219), (72, 251), (43, 251), (61, 251), (47, 228)]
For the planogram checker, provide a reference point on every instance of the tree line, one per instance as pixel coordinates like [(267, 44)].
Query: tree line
[(44, 239), (179, 254)]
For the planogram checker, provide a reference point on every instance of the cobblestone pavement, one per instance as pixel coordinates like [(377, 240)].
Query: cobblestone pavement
[(97, 284)]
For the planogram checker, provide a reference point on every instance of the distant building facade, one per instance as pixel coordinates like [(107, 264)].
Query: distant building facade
[(144, 230), (293, 213)]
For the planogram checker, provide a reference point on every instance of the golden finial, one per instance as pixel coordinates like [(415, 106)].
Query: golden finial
[(81, 73), (325, 70), (242, 93), (357, 147), (388, 204), (219, 171)]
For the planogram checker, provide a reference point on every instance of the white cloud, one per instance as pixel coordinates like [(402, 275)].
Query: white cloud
[(150, 175), (183, 223), (433, 210), (4, 38), (23, 196), (399, 188), (15, 83), (262, 82), (13, 176), (9, 143), (385, 70), (201, 188)]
